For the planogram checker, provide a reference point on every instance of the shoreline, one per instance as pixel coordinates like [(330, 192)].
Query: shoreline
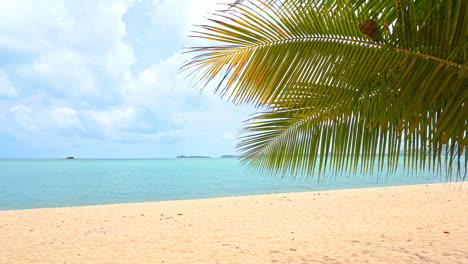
[(460, 184), (423, 223)]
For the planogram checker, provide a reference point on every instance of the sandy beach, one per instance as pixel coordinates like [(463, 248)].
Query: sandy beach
[(405, 224)]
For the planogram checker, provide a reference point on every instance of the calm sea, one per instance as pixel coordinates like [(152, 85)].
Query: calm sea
[(58, 183)]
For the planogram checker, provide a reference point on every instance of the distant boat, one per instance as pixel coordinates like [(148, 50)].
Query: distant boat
[(70, 158)]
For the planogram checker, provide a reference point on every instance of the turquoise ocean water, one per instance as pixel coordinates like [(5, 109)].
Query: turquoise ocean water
[(57, 183)]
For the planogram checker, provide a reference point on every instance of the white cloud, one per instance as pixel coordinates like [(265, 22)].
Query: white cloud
[(64, 117), (114, 119), (160, 103), (7, 88), (23, 116), (159, 84), (41, 118), (78, 45), (37, 26), (64, 70), (181, 15), (87, 89), (118, 59)]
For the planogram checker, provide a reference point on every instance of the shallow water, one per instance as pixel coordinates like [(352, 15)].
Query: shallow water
[(57, 183)]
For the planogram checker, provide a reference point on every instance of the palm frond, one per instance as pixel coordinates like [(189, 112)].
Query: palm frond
[(345, 82)]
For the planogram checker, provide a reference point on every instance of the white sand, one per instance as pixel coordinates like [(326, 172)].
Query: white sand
[(408, 224)]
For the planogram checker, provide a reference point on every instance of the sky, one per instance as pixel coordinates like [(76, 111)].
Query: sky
[(101, 79)]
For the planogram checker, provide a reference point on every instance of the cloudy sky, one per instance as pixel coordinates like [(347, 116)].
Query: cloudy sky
[(101, 79)]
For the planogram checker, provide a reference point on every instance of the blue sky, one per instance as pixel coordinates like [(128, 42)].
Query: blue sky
[(100, 79)]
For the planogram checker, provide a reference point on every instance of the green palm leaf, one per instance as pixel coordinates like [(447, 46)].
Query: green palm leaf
[(345, 84)]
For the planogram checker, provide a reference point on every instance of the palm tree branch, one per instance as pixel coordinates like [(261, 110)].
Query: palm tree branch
[(229, 51), (343, 78)]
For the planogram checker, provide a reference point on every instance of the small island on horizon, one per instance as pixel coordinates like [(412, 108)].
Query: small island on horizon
[(229, 157), (193, 157), (207, 157)]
